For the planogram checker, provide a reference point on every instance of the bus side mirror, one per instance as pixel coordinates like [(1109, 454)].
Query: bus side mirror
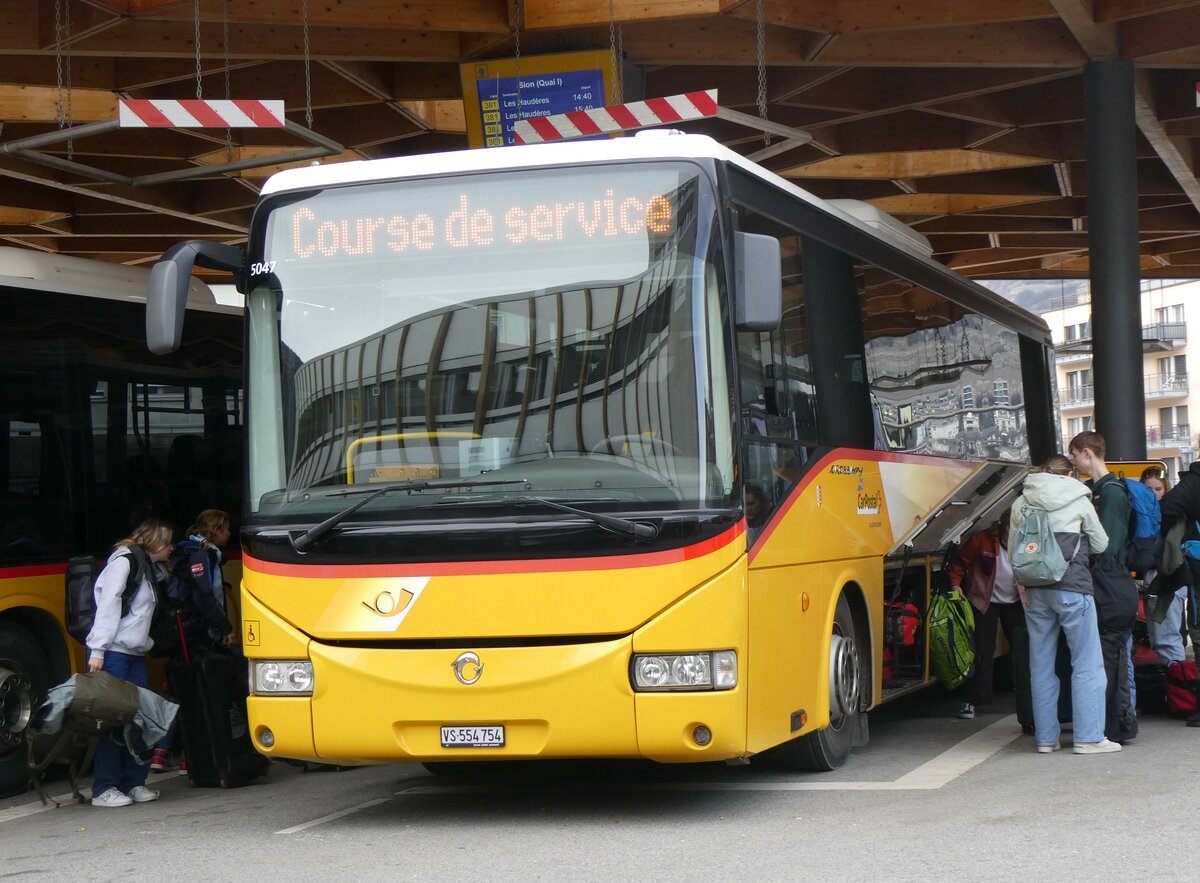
[(170, 278), (758, 298)]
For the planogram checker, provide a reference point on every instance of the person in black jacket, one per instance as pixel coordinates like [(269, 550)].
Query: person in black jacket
[(1182, 504)]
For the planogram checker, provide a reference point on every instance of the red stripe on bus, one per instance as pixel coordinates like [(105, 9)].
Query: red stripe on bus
[(32, 570), (495, 568)]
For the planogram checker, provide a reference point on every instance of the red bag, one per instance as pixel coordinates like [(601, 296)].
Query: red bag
[(1181, 687), (889, 674), (1144, 654), (900, 624)]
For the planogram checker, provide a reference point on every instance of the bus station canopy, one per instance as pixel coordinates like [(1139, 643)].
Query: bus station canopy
[(964, 118)]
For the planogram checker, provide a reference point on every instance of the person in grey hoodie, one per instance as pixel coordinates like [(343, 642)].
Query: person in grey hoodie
[(1067, 606), (117, 644)]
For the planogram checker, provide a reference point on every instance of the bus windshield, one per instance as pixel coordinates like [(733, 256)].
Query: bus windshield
[(559, 329)]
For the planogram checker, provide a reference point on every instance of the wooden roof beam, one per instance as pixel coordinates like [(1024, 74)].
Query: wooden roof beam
[(1008, 44), (1100, 43), (476, 16)]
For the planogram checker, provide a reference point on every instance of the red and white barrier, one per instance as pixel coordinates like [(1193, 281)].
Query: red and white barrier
[(200, 114), (617, 117)]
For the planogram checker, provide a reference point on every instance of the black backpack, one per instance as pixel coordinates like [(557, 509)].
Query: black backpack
[(82, 571)]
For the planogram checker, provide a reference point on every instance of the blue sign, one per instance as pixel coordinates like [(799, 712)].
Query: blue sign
[(540, 95)]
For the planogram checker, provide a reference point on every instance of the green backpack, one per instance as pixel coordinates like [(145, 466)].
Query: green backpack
[(951, 637)]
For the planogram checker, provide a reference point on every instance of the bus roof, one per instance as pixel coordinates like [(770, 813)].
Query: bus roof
[(649, 144), (40, 271)]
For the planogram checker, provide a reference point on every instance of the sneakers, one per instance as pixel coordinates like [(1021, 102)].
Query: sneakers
[(113, 797), (140, 794), (1049, 749), (162, 761), (967, 712), (1101, 747), (183, 764)]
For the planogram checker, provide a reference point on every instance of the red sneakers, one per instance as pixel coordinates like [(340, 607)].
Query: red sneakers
[(161, 762), (182, 764)]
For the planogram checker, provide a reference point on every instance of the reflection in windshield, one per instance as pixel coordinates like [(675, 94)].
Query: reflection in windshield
[(596, 374)]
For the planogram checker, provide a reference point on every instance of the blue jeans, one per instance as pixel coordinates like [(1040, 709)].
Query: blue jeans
[(115, 766), (1048, 611), (1166, 637)]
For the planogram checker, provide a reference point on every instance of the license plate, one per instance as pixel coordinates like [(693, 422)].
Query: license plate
[(473, 737)]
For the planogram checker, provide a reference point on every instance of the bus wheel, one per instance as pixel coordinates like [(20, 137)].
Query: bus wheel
[(23, 670), (828, 749)]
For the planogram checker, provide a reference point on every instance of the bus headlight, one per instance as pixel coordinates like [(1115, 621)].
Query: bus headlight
[(685, 671), (288, 676)]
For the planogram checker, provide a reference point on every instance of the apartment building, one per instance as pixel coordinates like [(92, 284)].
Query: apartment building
[(1169, 310)]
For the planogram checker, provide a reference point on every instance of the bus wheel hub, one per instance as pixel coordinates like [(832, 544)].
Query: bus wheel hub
[(16, 707), (843, 679)]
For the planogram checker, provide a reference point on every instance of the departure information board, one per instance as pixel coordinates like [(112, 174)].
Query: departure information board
[(549, 84), (538, 95)]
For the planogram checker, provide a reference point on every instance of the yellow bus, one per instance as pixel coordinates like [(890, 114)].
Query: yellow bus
[(95, 433), (618, 449)]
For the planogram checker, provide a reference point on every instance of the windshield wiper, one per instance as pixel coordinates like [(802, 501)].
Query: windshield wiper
[(624, 526), (314, 534)]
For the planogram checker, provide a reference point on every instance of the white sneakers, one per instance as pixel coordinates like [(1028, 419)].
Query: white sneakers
[(1102, 747), (1049, 749), (114, 797)]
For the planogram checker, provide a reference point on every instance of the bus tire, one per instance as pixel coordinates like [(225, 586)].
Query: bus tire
[(829, 748), (23, 672)]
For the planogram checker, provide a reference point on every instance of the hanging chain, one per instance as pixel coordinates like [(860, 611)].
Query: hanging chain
[(762, 66), (58, 41), (621, 61), (308, 115), (62, 34), (615, 98), (196, 38), (517, 53), (225, 43)]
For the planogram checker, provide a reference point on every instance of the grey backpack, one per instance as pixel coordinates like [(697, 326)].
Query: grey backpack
[(1037, 559)]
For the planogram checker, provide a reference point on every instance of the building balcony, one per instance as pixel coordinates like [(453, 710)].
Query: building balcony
[(1161, 386), (1077, 396), (1157, 338), (1168, 435)]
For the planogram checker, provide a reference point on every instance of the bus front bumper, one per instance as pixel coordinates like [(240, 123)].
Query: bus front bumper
[(382, 705)]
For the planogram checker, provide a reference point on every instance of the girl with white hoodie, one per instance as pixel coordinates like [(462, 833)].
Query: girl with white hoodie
[(117, 644), (1067, 606)]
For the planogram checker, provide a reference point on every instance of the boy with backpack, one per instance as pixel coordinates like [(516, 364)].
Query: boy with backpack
[(1116, 593)]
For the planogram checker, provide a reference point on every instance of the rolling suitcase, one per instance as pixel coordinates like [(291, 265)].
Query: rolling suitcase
[(211, 692)]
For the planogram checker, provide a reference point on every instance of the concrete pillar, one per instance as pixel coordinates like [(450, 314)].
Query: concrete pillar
[(1115, 265)]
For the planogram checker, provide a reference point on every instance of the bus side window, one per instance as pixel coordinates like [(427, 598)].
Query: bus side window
[(778, 400)]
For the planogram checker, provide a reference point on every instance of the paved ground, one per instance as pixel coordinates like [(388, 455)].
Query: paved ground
[(931, 798)]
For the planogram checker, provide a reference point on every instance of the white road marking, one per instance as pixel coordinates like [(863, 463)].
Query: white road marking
[(296, 829), (934, 774), (931, 775)]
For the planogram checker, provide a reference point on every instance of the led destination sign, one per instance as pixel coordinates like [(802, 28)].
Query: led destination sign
[(471, 222), (515, 230)]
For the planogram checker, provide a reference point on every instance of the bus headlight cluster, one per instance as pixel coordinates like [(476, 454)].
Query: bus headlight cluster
[(685, 671), (289, 676)]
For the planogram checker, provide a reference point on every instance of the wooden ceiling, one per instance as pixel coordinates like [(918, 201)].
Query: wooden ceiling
[(962, 117)]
